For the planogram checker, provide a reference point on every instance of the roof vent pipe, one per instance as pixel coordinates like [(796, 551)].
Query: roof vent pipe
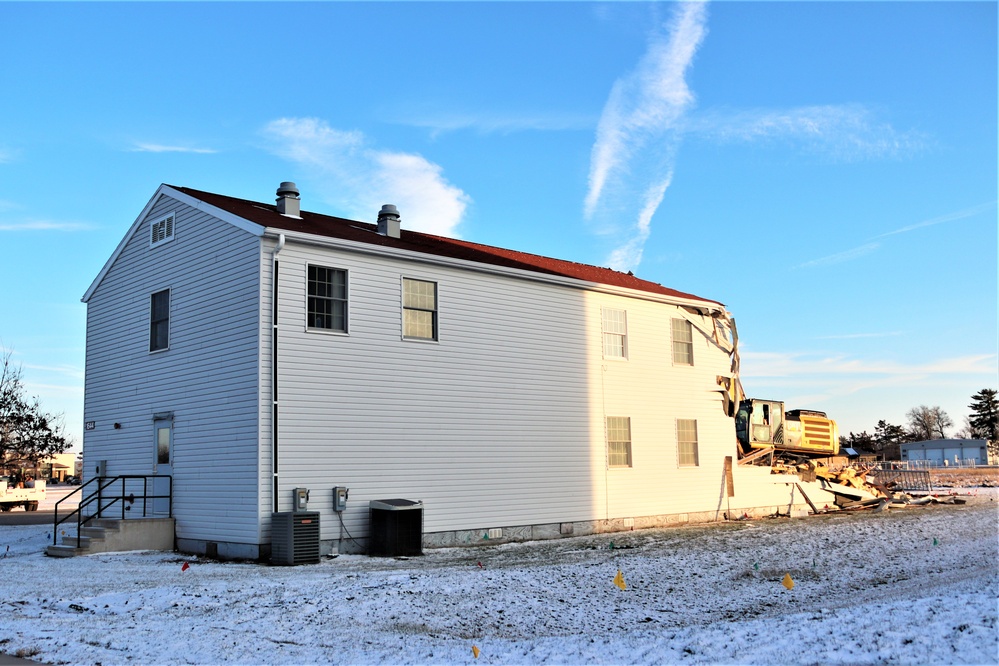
[(388, 221), (288, 201)]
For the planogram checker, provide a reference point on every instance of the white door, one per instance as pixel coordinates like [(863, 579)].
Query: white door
[(162, 468)]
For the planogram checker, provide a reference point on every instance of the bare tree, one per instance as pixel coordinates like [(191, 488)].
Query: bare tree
[(928, 423), (27, 433)]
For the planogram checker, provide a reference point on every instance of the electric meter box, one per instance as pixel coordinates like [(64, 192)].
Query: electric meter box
[(301, 499), (340, 494)]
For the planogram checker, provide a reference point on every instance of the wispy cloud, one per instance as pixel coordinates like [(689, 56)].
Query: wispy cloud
[(840, 257), (949, 217), (777, 364), (631, 163), (843, 132), (874, 244), (141, 147), (493, 123), (859, 336), (44, 225), (6, 155), (359, 179)]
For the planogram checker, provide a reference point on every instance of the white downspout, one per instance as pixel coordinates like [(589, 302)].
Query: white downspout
[(274, 370)]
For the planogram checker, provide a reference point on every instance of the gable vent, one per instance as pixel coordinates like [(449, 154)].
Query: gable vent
[(161, 230)]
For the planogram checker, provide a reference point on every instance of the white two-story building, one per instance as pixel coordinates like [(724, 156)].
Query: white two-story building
[(246, 349)]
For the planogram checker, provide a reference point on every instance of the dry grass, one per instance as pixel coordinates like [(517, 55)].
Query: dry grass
[(965, 477)]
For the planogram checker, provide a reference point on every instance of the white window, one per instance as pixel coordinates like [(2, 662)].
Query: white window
[(683, 342), (161, 230), (419, 309), (327, 299), (615, 328), (159, 321), (619, 441), (686, 442)]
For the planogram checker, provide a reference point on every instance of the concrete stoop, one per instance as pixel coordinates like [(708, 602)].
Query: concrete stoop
[(110, 536)]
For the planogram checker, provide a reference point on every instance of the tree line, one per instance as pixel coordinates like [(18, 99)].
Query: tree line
[(923, 423)]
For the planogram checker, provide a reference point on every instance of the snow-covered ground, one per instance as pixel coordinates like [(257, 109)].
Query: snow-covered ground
[(906, 586)]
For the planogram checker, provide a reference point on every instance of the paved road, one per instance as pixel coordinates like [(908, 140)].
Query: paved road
[(21, 517)]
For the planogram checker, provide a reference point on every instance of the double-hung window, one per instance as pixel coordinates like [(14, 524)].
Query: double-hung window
[(686, 439), (159, 321), (615, 330), (327, 306), (619, 441), (419, 309), (683, 342)]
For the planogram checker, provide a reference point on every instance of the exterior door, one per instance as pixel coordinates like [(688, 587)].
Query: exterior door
[(162, 468)]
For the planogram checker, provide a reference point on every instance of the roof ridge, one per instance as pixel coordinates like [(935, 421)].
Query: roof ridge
[(267, 215)]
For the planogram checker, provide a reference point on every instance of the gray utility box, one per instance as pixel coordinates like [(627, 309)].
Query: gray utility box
[(396, 527), (295, 537)]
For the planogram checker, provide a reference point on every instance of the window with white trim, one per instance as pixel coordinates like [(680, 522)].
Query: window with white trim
[(327, 299), (686, 442), (159, 321), (419, 309), (161, 230), (615, 330), (619, 441), (683, 342)]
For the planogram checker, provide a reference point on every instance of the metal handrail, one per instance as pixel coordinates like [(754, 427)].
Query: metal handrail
[(98, 495)]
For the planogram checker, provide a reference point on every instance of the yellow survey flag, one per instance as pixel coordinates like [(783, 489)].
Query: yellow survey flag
[(787, 582), (619, 580), (475, 651)]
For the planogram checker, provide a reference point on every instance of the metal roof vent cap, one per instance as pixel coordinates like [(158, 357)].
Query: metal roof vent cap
[(288, 201), (388, 221)]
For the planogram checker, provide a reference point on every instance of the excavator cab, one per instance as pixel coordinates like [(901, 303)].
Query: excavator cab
[(759, 424)]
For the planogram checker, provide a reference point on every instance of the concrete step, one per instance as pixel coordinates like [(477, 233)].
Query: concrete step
[(98, 532), (86, 542), (63, 550), (105, 535)]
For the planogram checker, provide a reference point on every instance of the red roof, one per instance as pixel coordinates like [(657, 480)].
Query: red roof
[(266, 215)]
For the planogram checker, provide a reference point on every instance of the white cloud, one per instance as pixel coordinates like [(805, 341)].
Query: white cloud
[(846, 132), (950, 217), (632, 159), (360, 179), (840, 257), (492, 123), (859, 336), (44, 225), (140, 147), (780, 364)]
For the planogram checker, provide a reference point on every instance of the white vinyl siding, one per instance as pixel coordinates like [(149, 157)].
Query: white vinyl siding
[(419, 309), (486, 430), (615, 333), (686, 438), (683, 342), (618, 441), (209, 379)]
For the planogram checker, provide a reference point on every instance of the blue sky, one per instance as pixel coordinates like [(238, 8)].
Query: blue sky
[(826, 170)]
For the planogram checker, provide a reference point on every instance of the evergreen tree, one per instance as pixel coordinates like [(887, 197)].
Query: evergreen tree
[(984, 419)]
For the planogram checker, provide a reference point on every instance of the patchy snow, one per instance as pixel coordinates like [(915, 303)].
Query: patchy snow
[(910, 586)]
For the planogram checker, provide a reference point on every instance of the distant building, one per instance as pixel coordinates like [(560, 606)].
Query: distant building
[(946, 452)]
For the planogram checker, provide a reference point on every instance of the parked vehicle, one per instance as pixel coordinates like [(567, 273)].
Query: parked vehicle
[(28, 496)]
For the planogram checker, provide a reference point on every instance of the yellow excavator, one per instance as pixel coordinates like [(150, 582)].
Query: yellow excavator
[(763, 425)]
